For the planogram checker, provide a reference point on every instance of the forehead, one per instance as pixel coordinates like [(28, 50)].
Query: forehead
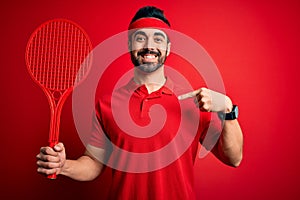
[(149, 32)]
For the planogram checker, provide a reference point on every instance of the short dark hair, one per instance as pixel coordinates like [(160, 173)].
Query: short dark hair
[(150, 11)]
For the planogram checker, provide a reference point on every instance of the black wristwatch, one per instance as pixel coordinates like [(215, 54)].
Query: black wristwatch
[(230, 116)]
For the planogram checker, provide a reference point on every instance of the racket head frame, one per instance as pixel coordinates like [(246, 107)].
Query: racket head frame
[(57, 95)]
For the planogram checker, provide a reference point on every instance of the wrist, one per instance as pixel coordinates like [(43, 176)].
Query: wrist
[(228, 105), (230, 111), (64, 170)]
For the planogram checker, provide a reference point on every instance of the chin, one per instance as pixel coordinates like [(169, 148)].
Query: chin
[(149, 67)]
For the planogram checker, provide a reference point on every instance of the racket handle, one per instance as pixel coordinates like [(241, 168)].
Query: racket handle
[(52, 176)]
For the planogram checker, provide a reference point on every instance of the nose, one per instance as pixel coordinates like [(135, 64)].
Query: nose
[(150, 44)]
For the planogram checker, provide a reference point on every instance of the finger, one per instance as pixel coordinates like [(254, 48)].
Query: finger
[(59, 147), (198, 102), (205, 108), (48, 158), (46, 171), (188, 95), (48, 151), (47, 165), (203, 102)]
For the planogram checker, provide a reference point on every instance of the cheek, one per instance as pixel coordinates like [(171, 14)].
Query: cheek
[(163, 52), (137, 46), (134, 53), (163, 49)]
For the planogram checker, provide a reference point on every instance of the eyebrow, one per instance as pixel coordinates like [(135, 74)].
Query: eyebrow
[(159, 34), (140, 33), (144, 34)]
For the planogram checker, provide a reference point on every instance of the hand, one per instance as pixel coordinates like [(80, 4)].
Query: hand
[(51, 160), (209, 101)]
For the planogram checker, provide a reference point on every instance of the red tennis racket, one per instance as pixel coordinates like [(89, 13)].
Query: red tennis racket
[(58, 58)]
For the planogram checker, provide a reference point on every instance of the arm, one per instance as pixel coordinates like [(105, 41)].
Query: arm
[(85, 168), (229, 147)]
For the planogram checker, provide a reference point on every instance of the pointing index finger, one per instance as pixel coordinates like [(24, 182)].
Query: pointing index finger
[(188, 95)]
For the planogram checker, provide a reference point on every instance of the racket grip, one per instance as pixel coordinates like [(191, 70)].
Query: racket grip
[(52, 176)]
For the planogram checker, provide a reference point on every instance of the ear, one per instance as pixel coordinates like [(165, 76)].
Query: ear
[(129, 45), (168, 48)]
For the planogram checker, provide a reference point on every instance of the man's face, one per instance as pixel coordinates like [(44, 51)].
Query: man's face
[(149, 49)]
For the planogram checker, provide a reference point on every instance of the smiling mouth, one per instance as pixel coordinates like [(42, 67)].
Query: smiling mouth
[(148, 56)]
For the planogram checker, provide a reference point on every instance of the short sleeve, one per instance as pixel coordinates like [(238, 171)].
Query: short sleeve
[(98, 138), (211, 128)]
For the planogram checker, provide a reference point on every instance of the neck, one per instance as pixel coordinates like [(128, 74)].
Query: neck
[(153, 81)]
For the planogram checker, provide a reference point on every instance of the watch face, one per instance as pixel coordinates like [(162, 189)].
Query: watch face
[(235, 111), (233, 114), (230, 116)]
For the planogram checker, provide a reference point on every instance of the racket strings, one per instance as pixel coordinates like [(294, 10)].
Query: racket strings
[(58, 55)]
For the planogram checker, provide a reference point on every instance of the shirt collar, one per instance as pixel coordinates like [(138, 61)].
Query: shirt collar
[(167, 88)]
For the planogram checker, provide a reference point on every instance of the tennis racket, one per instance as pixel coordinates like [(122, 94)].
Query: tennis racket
[(58, 58)]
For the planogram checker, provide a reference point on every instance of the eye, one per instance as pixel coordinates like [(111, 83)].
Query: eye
[(158, 39), (140, 39)]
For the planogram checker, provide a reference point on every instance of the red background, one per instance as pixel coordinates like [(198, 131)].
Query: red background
[(256, 47)]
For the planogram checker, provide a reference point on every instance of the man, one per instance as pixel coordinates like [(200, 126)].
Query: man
[(150, 179)]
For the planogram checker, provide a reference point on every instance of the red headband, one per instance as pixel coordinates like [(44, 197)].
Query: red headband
[(147, 23)]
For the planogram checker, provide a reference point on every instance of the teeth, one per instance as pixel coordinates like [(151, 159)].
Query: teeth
[(149, 56)]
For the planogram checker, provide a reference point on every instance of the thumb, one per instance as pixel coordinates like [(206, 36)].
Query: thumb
[(59, 147)]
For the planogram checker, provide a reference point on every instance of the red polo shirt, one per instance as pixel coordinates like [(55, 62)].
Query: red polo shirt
[(168, 172)]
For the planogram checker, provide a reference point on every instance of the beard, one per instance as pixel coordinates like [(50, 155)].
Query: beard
[(148, 67)]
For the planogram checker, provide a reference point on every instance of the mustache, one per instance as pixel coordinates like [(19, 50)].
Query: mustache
[(142, 52)]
